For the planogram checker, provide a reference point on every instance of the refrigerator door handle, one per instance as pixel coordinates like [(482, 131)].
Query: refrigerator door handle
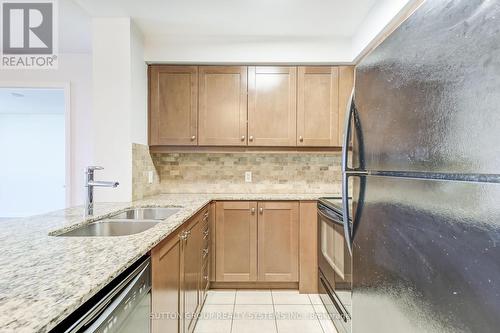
[(345, 173)]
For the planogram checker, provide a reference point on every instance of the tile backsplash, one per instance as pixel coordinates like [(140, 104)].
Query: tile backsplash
[(202, 172), (142, 165)]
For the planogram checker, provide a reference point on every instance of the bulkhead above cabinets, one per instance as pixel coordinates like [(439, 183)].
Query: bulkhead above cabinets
[(259, 106)]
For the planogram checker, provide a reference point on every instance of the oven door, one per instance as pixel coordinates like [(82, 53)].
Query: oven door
[(335, 263)]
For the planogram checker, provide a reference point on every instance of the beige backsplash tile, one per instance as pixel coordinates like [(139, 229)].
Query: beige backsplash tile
[(193, 172), (142, 163)]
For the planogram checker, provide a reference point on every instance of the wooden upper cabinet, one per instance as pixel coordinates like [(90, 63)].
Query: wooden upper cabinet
[(173, 103), (318, 106), (222, 106), (272, 111), (278, 241), (346, 84), (236, 241)]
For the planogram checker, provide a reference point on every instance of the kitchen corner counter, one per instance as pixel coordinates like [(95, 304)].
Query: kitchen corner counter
[(44, 278)]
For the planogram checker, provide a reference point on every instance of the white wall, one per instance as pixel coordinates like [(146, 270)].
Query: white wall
[(111, 119), (251, 49), (119, 113), (33, 163), (139, 88)]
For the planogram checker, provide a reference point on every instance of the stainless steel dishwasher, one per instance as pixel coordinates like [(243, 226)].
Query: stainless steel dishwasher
[(124, 308)]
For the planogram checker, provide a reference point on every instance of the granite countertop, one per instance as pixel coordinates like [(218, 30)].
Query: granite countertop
[(45, 278)]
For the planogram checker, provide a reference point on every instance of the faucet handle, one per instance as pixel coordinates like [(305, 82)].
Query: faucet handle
[(93, 167)]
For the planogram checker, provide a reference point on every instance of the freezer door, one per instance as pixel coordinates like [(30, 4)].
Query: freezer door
[(428, 97), (426, 256)]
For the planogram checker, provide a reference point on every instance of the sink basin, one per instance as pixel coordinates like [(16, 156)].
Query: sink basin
[(154, 213), (110, 228)]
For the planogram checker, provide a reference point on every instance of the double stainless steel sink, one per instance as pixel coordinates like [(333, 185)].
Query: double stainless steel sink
[(128, 222)]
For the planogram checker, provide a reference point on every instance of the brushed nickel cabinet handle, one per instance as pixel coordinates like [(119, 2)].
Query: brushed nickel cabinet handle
[(193, 138), (252, 210), (250, 138), (261, 210), (242, 138), (301, 139)]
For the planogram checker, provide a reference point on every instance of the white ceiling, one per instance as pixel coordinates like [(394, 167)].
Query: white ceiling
[(237, 17), (31, 101)]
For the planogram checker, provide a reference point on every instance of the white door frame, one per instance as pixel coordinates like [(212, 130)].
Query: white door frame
[(66, 86)]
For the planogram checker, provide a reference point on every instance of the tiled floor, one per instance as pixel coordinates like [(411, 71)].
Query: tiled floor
[(263, 311)]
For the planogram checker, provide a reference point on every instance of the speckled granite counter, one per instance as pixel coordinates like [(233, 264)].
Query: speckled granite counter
[(44, 278)]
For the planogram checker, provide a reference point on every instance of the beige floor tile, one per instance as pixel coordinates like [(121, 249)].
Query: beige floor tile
[(324, 319), (221, 297), (297, 319), (290, 297), (254, 319), (254, 326), (215, 319), (315, 299), (253, 312), (253, 297), (295, 312)]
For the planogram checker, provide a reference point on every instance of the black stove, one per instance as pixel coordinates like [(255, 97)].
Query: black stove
[(334, 203), (334, 263)]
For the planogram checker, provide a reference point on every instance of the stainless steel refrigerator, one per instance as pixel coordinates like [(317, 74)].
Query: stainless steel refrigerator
[(425, 174)]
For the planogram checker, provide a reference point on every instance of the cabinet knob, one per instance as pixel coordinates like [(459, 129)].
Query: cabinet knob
[(193, 138), (252, 210), (261, 210), (301, 139), (250, 138)]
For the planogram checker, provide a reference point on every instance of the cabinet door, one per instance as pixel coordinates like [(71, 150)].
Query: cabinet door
[(173, 110), (166, 286), (192, 272), (318, 107), (272, 112), (223, 105), (236, 244), (346, 84), (278, 241)]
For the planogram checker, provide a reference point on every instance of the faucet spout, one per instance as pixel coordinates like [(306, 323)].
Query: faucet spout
[(102, 183), (90, 183)]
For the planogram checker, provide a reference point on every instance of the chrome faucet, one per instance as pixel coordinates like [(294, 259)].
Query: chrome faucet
[(90, 183)]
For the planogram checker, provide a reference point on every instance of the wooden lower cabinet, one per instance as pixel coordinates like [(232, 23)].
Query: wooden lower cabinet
[(257, 242), (278, 241), (192, 249), (166, 286), (177, 269), (236, 241)]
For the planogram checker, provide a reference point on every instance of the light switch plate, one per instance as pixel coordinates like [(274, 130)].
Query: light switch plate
[(150, 177), (248, 176)]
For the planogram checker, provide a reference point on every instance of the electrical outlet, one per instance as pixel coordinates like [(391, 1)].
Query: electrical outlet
[(248, 176), (150, 177)]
